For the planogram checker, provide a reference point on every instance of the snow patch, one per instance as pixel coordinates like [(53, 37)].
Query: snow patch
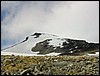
[(20, 54), (76, 46), (53, 54), (33, 54), (54, 48), (71, 51), (96, 54), (57, 42), (70, 48)]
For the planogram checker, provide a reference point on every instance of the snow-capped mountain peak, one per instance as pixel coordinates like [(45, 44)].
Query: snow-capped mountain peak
[(46, 44), (29, 42)]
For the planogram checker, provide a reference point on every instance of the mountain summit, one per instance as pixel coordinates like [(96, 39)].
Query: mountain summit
[(48, 44)]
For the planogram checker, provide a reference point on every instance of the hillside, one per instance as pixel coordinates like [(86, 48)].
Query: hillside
[(49, 65), (43, 44)]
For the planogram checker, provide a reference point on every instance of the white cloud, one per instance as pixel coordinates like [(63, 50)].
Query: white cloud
[(67, 19), (81, 21)]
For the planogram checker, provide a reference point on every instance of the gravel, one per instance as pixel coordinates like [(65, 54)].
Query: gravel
[(49, 65)]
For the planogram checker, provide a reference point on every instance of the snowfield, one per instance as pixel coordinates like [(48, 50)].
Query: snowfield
[(36, 54), (96, 54), (25, 54), (24, 48)]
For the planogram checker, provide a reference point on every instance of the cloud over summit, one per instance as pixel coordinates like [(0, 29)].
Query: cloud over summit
[(71, 19)]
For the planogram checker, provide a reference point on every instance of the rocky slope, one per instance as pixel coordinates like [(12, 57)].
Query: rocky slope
[(49, 65), (67, 47)]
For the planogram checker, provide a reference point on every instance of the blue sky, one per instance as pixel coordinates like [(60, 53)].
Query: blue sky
[(70, 19)]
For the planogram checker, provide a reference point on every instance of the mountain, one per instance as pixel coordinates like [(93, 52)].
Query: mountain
[(47, 44)]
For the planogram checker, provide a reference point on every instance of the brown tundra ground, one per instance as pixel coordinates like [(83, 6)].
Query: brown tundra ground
[(49, 65)]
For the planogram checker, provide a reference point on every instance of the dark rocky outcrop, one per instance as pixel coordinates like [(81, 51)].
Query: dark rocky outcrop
[(70, 47), (36, 34)]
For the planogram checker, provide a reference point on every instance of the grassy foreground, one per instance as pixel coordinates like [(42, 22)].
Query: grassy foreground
[(49, 65)]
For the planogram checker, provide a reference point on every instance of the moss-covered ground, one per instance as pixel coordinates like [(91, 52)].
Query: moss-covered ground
[(49, 65)]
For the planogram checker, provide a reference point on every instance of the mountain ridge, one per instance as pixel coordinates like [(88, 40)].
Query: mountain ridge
[(47, 43)]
